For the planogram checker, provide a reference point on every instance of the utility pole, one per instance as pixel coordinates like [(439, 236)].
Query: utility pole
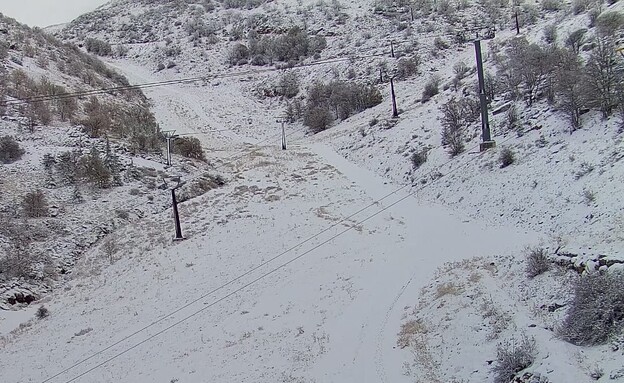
[(176, 215), (517, 23), (169, 136), (486, 136), (282, 120), (395, 111), (392, 48)]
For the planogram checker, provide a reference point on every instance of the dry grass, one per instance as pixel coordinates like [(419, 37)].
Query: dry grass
[(449, 288), (408, 330)]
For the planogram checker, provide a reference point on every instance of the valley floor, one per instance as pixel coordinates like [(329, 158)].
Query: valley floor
[(301, 269)]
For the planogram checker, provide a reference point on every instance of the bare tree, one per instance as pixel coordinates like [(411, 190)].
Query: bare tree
[(453, 127), (602, 77), (570, 89)]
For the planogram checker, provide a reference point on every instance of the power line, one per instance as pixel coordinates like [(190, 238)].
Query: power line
[(189, 80), (256, 268)]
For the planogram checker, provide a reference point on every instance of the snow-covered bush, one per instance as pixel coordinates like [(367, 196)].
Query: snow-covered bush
[(10, 151), (432, 87), (551, 5), (35, 204), (98, 47), (596, 312), (189, 147), (418, 158), (537, 262), (42, 312), (512, 357), (507, 157), (337, 99), (407, 66), (609, 23)]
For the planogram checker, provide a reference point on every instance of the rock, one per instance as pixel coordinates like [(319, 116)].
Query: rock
[(617, 374)]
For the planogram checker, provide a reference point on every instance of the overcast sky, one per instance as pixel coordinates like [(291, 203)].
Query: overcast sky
[(42, 13)]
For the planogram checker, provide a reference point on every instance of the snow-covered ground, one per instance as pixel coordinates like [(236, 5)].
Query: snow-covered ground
[(335, 261)]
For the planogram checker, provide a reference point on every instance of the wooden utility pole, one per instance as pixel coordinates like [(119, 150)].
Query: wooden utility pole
[(176, 215), (517, 23), (395, 111), (392, 48)]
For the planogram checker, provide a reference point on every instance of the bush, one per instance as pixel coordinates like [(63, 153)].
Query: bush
[(576, 39), (460, 69), (609, 23), (98, 47), (337, 99), (288, 85), (551, 5), (42, 312), (407, 67), (18, 260), (318, 118), (92, 169), (506, 158), (512, 357), (597, 310), (189, 147), (550, 34), (537, 262), (238, 54), (419, 158), (35, 204), (10, 150), (580, 6), (440, 43), (432, 87)]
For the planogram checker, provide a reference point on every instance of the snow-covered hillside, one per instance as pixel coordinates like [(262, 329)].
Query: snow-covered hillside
[(363, 253)]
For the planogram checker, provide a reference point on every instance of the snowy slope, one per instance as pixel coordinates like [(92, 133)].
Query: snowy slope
[(421, 292)]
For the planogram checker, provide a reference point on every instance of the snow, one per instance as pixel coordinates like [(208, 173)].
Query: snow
[(305, 266)]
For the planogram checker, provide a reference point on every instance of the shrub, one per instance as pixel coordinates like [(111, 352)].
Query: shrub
[(419, 158), (288, 85), (318, 118), (579, 6), (98, 47), (189, 147), (550, 34), (609, 23), (337, 99), (460, 69), (18, 260), (238, 54), (42, 312), (440, 43), (407, 67), (432, 87), (10, 150), (35, 204), (67, 166), (93, 170), (551, 5), (576, 39), (512, 357), (455, 117), (596, 311), (110, 248), (506, 158), (537, 262)]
